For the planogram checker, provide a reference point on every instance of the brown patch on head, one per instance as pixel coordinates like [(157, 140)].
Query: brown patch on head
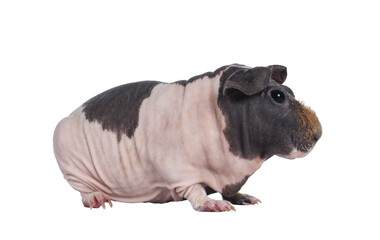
[(309, 129)]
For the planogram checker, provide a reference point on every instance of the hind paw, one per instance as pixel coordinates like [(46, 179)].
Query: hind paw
[(95, 200)]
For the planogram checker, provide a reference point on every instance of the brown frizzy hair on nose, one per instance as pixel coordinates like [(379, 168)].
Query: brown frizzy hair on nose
[(309, 127)]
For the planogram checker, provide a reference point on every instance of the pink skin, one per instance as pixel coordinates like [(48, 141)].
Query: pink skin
[(202, 203), (172, 152), (294, 154), (95, 200), (216, 206)]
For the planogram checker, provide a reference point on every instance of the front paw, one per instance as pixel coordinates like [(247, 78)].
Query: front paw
[(242, 199), (215, 206)]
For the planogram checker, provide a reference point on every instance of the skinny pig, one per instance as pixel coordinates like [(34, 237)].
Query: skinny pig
[(158, 142)]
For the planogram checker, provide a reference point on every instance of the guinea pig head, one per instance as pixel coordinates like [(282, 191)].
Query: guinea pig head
[(263, 118)]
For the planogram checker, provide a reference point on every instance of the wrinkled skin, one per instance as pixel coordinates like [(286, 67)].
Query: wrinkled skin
[(159, 142)]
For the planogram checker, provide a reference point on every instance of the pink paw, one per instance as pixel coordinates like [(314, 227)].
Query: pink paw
[(216, 206), (95, 200)]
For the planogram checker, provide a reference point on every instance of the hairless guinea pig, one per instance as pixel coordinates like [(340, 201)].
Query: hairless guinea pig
[(159, 142)]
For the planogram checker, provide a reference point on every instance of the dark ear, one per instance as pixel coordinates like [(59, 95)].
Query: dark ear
[(247, 81), (279, 73)]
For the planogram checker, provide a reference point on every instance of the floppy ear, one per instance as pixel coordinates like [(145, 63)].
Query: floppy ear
[(279, 73), (247, 81)]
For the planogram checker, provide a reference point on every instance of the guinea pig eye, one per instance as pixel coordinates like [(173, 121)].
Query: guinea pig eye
[(278, 96)]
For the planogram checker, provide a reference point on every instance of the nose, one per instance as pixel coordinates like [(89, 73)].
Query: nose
[(317, 133), (317, 130), (316, 137)]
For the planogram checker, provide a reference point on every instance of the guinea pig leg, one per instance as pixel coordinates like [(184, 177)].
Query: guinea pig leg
[(216, 206), (242, 199), (197, 196), (95, 200)]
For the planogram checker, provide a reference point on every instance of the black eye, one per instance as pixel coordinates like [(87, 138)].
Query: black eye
[(278, 96)]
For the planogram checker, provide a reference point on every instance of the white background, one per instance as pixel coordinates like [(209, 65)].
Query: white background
[(54, 55)]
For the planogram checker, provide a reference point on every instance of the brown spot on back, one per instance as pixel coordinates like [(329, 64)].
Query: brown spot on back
[(117, 109)]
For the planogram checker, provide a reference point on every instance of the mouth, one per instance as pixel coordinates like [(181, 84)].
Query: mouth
[(295, 153)]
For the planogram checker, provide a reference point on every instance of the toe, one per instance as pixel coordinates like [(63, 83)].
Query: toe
[(95, 200), (242, 199), (217, 206)]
